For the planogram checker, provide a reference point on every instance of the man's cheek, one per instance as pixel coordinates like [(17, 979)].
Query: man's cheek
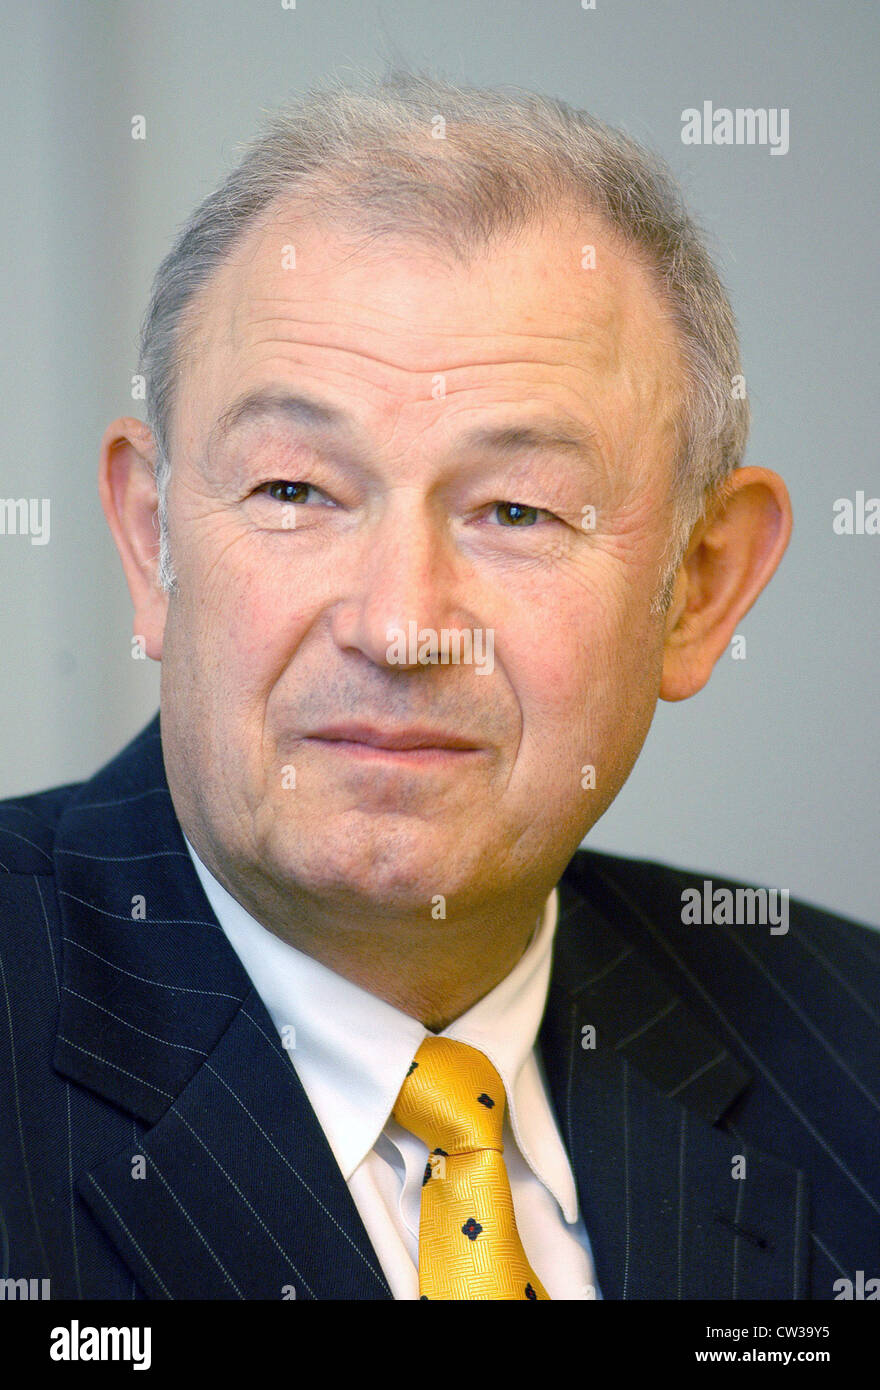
[(255, 625)]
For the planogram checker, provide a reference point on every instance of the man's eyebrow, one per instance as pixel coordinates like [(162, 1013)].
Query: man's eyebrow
[(553, 438), (578, 440), (298, 409)]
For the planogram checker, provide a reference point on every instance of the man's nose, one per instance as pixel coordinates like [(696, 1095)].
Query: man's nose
[(405, 570)]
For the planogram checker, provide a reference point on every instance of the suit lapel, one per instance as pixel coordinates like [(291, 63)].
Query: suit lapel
[(229, 1188), (673, 1206)]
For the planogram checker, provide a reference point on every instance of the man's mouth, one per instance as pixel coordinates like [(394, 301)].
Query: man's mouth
[(415, 743)]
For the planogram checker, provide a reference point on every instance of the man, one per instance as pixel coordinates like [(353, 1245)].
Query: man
[(311, 992)]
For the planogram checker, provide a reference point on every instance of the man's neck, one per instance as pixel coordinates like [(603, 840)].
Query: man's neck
[(431, 969)]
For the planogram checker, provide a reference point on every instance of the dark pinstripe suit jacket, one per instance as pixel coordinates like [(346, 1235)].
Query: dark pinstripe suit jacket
[(135, 1046)]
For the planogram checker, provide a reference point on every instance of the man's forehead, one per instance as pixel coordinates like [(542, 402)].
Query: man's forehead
[(549, 298), (570, 274)]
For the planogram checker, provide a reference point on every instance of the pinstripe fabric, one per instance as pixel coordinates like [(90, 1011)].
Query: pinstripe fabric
[(155, 1141), (798, 1104)]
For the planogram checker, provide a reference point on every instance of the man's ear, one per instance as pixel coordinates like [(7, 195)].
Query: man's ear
[(130, 502), (732, 555)]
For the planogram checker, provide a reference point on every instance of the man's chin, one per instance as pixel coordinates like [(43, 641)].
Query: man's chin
[(341, 889), (397, 873)]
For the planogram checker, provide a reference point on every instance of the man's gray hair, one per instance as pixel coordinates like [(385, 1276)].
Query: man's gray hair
[(508, 158)]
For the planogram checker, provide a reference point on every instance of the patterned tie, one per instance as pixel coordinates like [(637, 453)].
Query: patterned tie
[(453, 1100)]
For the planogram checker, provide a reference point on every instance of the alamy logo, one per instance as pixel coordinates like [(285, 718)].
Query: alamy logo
[(736, 907), (863, 1288), (857, 518), (75, 1343), (427, 647), (746, 125), (21, 1289), (25, 516)]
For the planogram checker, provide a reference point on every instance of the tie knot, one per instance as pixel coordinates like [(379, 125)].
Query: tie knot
[(452, 1099)]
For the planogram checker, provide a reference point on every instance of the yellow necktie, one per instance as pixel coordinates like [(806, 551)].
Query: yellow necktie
[(453, 1100)]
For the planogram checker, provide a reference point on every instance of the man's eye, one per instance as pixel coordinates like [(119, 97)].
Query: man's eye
[(288, 492), (516, 514)]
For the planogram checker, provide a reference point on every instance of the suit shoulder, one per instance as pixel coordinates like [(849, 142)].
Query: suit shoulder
[(27, 829), (657, 888)]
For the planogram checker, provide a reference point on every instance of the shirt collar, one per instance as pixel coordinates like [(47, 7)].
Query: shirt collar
[(352, 1050)]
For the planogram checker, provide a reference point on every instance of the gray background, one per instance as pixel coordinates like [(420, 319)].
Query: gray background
[(768, 775)]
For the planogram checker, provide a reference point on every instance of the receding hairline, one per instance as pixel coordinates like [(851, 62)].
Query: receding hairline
[(503, 155), (289, 208)]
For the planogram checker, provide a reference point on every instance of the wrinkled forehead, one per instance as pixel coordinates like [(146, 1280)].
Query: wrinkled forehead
[(565, 296)]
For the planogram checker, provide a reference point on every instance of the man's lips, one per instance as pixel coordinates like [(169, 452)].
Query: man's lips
[(414, 738)]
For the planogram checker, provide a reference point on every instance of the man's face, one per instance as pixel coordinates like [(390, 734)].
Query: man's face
[(463, 423)]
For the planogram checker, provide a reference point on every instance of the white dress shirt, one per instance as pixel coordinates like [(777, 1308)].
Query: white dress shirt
[(352, 1050)]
